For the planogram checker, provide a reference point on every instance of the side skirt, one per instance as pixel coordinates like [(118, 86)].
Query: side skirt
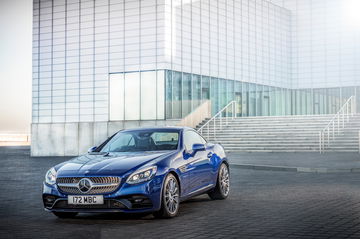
[(197, 192)]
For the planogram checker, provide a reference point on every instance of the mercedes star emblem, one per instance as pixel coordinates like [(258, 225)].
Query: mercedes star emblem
[(85, 185)]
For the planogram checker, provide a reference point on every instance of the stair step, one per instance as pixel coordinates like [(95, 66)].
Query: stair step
[(282, 133)]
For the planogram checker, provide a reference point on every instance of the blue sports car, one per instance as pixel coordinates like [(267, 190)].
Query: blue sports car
[(145, 170)]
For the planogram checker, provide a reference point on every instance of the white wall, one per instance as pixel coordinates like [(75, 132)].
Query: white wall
[(246, 40), (77, 44), (325, 42)]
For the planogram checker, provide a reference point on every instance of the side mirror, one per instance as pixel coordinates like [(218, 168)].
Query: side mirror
[(198, 147), (92, 149)]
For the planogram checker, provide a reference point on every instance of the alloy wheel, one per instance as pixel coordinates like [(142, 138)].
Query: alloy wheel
[(224, 180), (172, 195)]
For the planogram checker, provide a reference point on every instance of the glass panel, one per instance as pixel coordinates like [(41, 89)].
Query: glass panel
[(177, 97), (266, 102), (229, 95), (245, 97), (223, 92), (273, 101), (214, 95), (293, 102), (327, 100), (196, 97), (298, 102), (309, 102), (186, 104), (148, 95), (169, 92), (132, 96), (303, 102), (205, 91), (278, 108), (288, 102), (316, 101), (252, 99), (338, 99), (238, 98), (160, 94), (321, 101), (116, 97), (259, 99)]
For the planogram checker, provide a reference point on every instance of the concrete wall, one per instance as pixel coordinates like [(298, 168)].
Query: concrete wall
[(71, 139), (202, 112)]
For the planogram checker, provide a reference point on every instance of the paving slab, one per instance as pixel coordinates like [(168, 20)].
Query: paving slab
[(261, 204)]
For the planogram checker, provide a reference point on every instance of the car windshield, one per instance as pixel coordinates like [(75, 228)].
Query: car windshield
[(140, 140)]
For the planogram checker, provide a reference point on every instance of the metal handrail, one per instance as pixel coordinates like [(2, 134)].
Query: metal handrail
[(342, 115), (219, 115)]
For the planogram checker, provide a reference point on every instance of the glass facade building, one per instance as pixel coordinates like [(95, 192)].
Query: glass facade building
[(124, 60)]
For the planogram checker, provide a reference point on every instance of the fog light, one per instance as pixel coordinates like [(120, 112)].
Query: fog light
[(49, 200)]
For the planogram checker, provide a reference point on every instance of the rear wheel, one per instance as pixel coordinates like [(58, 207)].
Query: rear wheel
[(222, 189), (65, 214), (170, 199)]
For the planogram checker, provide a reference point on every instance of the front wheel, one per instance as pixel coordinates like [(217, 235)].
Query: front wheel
[(222, 189), (65, 214), (170, 199)]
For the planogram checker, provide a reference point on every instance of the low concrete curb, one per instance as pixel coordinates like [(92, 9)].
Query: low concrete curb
[(296, 169)]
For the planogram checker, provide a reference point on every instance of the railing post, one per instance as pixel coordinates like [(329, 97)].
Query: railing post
[(359, 141)]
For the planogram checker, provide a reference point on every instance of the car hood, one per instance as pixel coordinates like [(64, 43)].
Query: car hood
[(111, 164)]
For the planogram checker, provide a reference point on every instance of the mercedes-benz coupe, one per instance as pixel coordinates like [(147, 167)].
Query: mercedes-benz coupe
[(144, 170)]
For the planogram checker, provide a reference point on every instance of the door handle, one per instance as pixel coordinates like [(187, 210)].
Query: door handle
[(210, 154)]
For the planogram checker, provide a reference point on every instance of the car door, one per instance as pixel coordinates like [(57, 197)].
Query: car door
[(198, 163)]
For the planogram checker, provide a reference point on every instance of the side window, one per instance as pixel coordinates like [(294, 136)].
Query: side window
[(190, 138)]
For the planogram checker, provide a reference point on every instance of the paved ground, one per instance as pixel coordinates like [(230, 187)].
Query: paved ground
[(262, 204), (315, 162)]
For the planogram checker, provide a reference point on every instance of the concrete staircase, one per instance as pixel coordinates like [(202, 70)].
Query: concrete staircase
[(282, 134)]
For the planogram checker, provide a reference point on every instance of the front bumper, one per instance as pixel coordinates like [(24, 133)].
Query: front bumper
[(142, 197)]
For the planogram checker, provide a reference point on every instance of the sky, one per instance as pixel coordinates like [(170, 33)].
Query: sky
[(15, 65)]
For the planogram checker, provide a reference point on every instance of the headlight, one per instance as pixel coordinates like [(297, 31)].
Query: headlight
[(50, 177), (142, 175)]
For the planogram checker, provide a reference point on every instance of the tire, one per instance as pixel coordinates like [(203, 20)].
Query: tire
[(170, 198), (65, 214), (222, 188)]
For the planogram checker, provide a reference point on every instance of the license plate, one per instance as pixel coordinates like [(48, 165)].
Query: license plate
[(86, 200)]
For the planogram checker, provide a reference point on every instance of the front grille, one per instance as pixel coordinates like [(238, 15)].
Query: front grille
[(100, 185)]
